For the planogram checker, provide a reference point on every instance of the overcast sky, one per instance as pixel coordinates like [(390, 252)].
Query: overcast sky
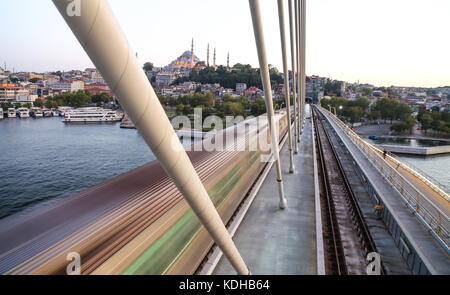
[(384, 42)]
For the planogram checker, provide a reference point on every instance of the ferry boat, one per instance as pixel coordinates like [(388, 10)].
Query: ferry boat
[(92, 115), (23, 113), (36, 113), (12, 113)]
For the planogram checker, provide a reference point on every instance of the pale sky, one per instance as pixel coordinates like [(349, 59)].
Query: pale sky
[(383, 42)]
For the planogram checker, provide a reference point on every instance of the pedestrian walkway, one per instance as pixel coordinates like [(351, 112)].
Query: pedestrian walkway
[(281, 242)]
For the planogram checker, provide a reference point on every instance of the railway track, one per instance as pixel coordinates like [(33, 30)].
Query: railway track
[(347, 239)]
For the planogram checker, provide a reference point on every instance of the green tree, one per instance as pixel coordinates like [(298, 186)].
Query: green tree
[(403, 111), (410, 122), (6, 105), (426, 121), (367, 91), (148, 66), (38, 103), (180, 109), (400, 127), (187, 110), (355, 114), (258, 107)]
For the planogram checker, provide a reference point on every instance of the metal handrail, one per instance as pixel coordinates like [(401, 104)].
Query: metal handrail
[(412, 167), (432, 216)]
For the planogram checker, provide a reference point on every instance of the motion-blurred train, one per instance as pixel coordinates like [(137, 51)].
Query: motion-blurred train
[(138, 222)]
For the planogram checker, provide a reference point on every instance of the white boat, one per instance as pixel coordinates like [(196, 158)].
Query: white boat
[(55, 112), (1, 113), (63, 110), (23, 113), (47, 113), (92, 115), (12, 113), (36, 113)]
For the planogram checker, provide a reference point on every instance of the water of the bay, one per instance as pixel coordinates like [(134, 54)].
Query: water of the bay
[(44, 160)]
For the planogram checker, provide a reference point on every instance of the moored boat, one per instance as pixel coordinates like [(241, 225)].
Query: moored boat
[(23, 113), (12, 113), (36, 113), (47, 113)]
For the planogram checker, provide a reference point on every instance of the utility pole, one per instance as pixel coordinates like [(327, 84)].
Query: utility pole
[(102, 38), (286, 81), (294, 76), (265, 77)]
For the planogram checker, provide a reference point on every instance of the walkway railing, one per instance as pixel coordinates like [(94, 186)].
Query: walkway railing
[(410, 167), (433, 217)]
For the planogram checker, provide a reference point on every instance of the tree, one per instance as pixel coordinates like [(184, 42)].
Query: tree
[(180, 109), (363, 103), (367, 91), (399, 127), (187, 110), (403, 111), (410, 122), (258, 107), (148, 66), (38, 103), (17, 105), (426, 121), (355, 114), (373, 114), (102, 98), (6, 105)]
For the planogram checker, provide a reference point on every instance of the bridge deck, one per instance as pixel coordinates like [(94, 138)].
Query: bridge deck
[(273, 241)]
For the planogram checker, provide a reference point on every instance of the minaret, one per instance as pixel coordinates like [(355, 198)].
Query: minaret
[(192, 54), (228, 61), (214, 59), (207, 57)]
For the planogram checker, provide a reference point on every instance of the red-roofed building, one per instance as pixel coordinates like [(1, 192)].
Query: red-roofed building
[(11, 93), (95, 89)]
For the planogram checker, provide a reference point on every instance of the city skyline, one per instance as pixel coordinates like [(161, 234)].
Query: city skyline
[(388, 46)]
